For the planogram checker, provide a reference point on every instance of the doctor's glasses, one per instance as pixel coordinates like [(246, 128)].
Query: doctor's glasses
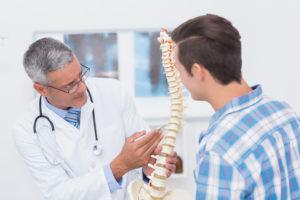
[(70, 89)]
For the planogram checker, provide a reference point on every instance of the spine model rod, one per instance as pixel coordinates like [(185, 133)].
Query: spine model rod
[(156, 188), (158, 178)]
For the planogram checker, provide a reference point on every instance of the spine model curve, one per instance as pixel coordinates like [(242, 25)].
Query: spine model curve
[(158, 178)]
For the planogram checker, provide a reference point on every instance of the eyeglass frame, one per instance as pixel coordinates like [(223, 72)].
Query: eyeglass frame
[(74, 87)]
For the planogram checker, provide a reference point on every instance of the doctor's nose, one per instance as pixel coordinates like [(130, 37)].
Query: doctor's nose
[(81, 87)]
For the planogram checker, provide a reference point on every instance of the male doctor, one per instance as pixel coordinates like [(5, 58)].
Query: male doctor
[(81, 139)]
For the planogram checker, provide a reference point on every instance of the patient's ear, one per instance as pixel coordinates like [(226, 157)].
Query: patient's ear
[(198, 71), (41, 89)]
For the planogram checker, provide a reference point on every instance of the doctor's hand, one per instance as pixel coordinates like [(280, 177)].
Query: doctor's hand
[(136, 152), (170, 163)]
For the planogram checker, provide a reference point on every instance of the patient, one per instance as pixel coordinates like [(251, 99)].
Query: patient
[(251, 147)]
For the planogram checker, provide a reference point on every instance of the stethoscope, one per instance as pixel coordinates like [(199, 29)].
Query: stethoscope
[(97, 148)]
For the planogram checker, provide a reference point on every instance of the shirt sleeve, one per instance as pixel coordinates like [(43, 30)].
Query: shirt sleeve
[(218, 179), (113, 184)]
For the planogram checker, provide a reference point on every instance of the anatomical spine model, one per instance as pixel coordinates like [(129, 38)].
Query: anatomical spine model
[(156, 188)]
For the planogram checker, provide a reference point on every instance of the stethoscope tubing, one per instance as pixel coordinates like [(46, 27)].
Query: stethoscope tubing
[(41, 115)]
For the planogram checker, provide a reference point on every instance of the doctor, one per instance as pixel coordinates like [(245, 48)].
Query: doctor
[(81, 139)]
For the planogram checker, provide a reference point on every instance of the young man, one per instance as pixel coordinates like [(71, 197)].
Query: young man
[(251, 147)]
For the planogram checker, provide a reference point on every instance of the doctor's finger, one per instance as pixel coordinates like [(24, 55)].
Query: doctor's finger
[(154, 141), (152, 160), (157, 150), (170, 167), (135, 136), (169, 173), (150, 149), (172, 160), (148, 138)]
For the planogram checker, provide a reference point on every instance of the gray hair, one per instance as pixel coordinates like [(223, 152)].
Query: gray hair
[(46, 55)]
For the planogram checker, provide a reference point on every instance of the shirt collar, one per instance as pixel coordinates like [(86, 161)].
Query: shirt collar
[(238, 103), (60, 112)]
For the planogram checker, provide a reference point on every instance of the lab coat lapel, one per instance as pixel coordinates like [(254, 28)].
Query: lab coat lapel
[(69, 139)]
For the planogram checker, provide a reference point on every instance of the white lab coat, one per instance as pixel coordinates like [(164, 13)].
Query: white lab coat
[(78, 174)]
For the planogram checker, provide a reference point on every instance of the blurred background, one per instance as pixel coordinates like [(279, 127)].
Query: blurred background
[(270, 46)]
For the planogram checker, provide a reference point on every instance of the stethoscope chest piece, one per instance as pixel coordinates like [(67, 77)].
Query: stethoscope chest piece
[(97, 149)]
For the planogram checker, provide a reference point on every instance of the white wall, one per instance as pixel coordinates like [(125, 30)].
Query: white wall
[(270, 35)]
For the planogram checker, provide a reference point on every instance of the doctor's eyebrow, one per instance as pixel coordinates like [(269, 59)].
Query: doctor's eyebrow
[(72, 82)]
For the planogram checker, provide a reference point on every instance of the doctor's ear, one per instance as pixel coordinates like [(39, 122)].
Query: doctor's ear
[(198, 71), (41, 89)]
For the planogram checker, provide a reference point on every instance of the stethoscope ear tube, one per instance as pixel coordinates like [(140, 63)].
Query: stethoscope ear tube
[(94, 118), (42, 116)]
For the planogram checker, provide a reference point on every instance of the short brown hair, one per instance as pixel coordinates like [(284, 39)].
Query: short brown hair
[(212, 41)]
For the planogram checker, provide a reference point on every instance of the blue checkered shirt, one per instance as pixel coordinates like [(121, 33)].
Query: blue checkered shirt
[(250, 151)]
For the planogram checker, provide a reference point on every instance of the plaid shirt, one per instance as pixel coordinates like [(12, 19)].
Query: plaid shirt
[(250, 151)]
